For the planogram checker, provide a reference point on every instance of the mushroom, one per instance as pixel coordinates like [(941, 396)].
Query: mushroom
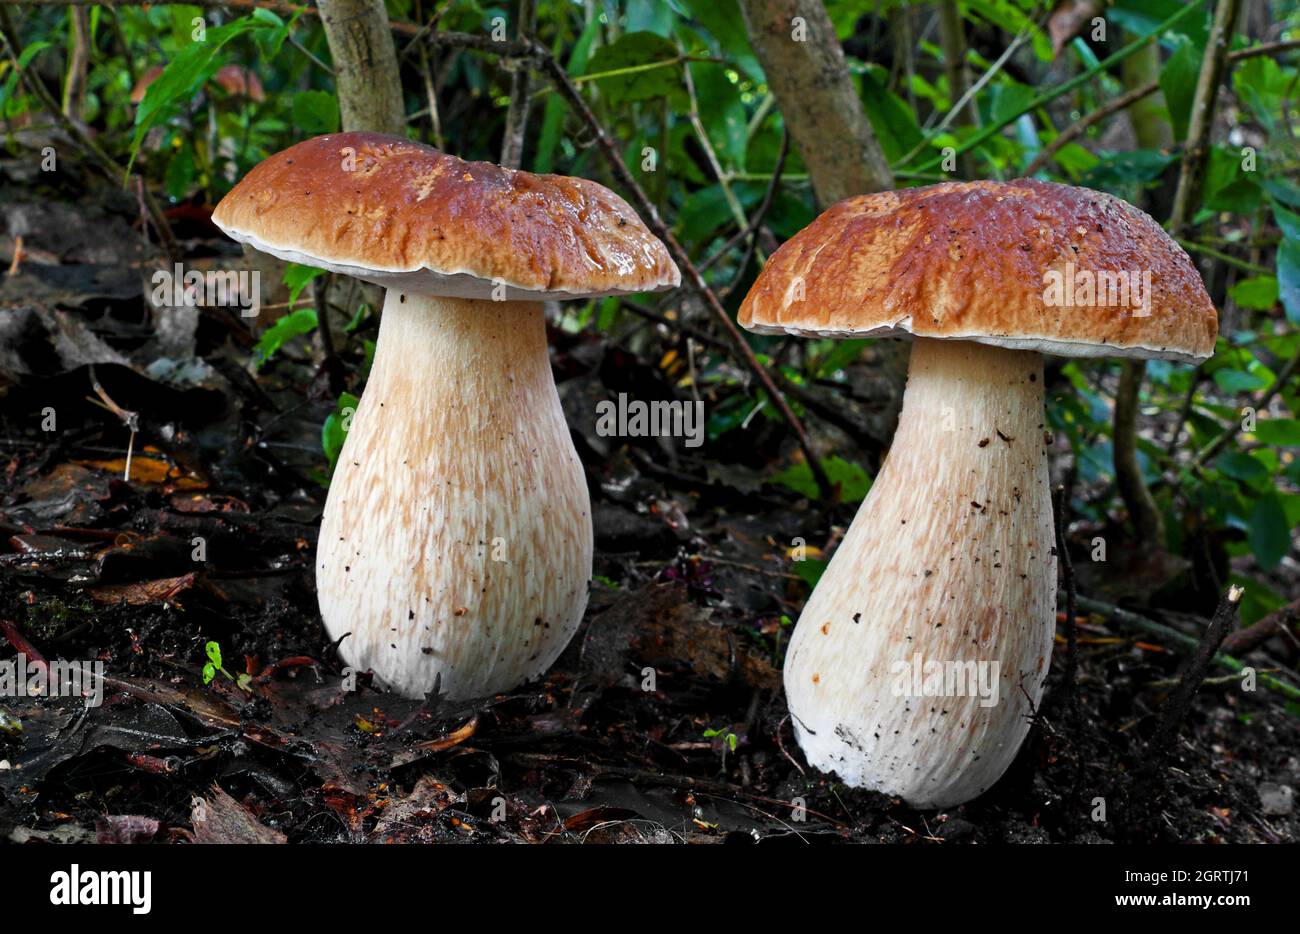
[(921, 654), (455, 547), (235, 80)]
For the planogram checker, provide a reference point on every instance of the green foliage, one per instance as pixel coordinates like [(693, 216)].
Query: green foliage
[(850, 479), (335, 430), (315, 112), (214, 666), (638, 66), (182, 77), (295, 323)]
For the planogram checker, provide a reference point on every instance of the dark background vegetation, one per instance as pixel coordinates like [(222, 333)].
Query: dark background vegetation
[(697, 110)]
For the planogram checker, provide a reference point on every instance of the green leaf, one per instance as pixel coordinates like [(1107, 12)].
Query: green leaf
[(852, 480), (302, 321), (653, 15), (1178, 83), (1005, 100), (553, 116), (213, 651), (1268, 533), (315, 112), (1231, 380), (1288, 278), (180, 172), (1241, 466), (841, 354), (296, 277), (723, 21), (1227, 186), (810, 570), (1288, 220), (635, 82), (721, 111), (1141, 17), (1119, 169), (335, 430), (890, 117), (209, 672), (1278, 432), (271, 40), (1261, 84), (1257, 292), (1075, 160)]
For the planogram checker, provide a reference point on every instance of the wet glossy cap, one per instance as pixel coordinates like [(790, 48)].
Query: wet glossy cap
[(401, 214), (1025, 265)]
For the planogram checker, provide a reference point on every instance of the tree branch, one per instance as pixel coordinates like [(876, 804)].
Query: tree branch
[(512, 147), (796, 43), (693, 280)]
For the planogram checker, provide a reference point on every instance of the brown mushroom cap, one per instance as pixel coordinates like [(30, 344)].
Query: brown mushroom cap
[(969, 261), (142, 84), (238, 81), (401, 214)]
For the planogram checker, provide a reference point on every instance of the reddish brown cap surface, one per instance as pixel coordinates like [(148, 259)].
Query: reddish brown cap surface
[(239, 82), (1026, 265), (142, 84), (398, 213)]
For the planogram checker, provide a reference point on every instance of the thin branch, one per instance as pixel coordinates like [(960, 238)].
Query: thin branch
[(1279, 622), (1069, 679), (1176, 707), (693, 279), (1081, 126), (1130, 620), (1065, 87), (1213, 67), (512, 147), (760, 215)]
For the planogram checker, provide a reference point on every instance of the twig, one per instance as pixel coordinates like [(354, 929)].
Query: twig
[(1065, 87), (1069, 678), (702, 135), (129, 419), (1213, 67), (1252, 637), (1080, 126), (1176, 707), (1131, 620), (693, 279), (756, 222), (512, 147), (968, 96), (676, 325), (14, 635)]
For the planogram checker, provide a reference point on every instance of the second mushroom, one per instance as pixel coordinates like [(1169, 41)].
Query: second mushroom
[(922, 653)]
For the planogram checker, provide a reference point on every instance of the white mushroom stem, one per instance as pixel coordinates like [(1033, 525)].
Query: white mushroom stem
[(456, 540), (922, 652)]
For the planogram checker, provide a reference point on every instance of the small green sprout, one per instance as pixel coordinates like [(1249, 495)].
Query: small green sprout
[(214, 665), (728, 737)]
